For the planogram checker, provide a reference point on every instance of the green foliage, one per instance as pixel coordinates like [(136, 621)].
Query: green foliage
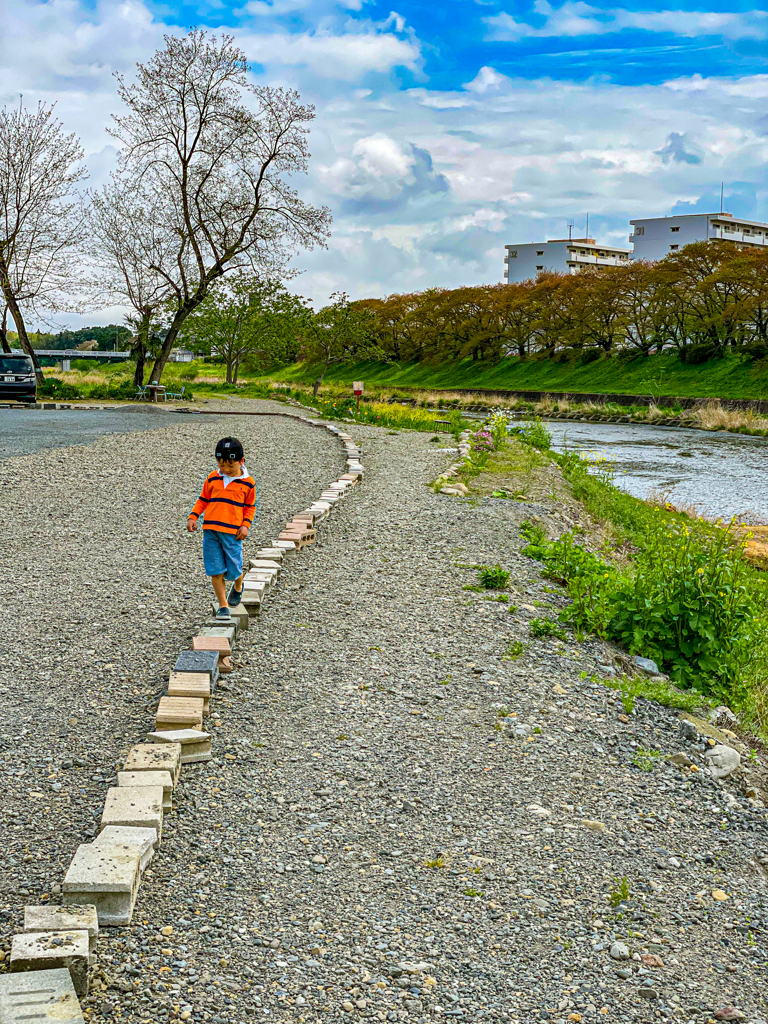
[(515, 649), (619, 892), (645, 759), (61, 391), (658, 690), (546, 627), (493, 577), (627, 701), (533, 433)]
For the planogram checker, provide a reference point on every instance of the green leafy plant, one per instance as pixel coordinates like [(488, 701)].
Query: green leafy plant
[(546, 627), (645, 759), (472, 892), (515, 649), (627, 701), (619, 892), (498, 598), (533, 433), (493, 577), (438, 862)]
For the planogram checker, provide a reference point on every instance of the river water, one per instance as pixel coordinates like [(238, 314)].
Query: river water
[(721, 474)]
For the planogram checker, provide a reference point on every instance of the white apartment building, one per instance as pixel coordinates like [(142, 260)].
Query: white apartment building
[(564, 255), (656, 237)]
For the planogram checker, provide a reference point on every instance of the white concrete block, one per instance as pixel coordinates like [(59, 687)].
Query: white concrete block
[(64, 919), (40, 997), (107, 877), (148, 757), (128, 780), (40, 951), (139, 807), (126, 839)]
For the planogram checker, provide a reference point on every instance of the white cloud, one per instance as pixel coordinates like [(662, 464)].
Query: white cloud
[(342, 57), (575, 18)]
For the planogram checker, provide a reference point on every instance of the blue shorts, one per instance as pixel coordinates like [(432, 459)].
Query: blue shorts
[(222, 554)]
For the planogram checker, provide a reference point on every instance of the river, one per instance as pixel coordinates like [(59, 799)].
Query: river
[(720, 474)]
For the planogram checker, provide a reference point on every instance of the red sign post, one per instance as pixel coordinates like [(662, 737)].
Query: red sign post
[(357, 388)]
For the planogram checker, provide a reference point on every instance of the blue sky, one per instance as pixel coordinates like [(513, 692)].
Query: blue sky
[(446, 130)]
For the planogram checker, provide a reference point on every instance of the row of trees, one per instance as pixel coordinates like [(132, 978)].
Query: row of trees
[(703, 299), (202, 189)]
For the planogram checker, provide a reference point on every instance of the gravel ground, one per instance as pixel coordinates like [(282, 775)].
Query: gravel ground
[(367, 842)]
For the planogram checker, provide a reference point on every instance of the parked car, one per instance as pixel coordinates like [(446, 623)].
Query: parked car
[(17, 379)]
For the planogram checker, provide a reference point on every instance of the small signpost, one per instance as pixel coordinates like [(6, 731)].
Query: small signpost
[(357, 388)]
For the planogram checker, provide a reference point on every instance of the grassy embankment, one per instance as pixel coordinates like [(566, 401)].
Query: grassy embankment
[(653, 580), (656, 376)]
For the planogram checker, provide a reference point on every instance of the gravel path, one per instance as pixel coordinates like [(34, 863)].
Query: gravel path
[(367, 843)]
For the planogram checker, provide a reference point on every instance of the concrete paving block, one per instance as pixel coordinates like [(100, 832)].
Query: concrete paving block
[(107, 877), (39, 997), (269, 579), (40, 951), (271, 564), (286, 546), (230, 632), (179, 713), (130, 780), (220, 644), (127, 839), (148, 757), (276, 554), (192, 686), (64, 919), (140, 807), (199, 661), (238, 614), (195, 744)]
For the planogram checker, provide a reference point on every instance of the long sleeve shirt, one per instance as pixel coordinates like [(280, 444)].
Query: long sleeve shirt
[(226, 503)]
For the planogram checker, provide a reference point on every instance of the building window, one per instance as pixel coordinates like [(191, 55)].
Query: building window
[(674, 247), (539, 252), (674, 229)]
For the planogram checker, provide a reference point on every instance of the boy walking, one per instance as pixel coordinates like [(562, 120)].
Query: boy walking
[(227, 505)]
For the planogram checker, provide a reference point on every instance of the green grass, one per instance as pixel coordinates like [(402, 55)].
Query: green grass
[(730, 377)]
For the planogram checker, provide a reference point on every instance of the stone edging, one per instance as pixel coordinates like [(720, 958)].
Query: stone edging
[(50, 959)]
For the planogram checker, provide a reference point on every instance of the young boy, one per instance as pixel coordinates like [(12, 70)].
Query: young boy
[(228, 506)]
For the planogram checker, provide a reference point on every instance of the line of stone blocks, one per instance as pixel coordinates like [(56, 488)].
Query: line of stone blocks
[(102, 881)]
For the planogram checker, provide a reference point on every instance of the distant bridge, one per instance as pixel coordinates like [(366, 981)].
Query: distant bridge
[(66, 355)]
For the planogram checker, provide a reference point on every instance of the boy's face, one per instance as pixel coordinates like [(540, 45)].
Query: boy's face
[(230, 467)]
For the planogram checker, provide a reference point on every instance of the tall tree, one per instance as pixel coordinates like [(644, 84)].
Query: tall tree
[(242, 317), (339, 332), (136, 253), (41, 219), (216, 150)]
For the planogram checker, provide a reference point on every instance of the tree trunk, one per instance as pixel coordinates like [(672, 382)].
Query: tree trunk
[(170, 340), (18, 319), (4, 332), (140, 348), (318, 382)]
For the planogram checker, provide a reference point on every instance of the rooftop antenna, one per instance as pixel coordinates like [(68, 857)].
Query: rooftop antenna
[(570, 230)]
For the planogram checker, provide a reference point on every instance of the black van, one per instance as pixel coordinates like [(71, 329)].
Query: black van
[(17, 379)]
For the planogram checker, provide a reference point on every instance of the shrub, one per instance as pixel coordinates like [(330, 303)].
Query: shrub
[(54, 387), (589, 355), (533, 433), (546, 627), (493, 577)]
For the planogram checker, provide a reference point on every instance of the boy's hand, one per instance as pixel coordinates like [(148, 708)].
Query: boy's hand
[(242, 533), (191, 524)]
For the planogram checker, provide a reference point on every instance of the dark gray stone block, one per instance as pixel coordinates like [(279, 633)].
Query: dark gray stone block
[(199, 661)]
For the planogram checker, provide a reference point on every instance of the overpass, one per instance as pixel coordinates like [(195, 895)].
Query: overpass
[(66, 355)]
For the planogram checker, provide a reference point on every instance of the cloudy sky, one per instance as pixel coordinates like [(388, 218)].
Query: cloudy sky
[(447, 129)]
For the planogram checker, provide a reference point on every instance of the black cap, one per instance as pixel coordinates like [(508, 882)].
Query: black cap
[(229, 448)]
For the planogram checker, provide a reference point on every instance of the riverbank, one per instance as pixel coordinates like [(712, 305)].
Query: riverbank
[(731, 377)]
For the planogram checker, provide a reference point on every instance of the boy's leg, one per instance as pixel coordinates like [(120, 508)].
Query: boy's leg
[(219, 589)]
